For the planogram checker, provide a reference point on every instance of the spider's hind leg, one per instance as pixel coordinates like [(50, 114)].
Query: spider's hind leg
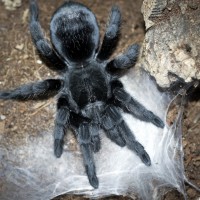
[(85, 139), (61, 124), (133, 144), (117, 130), (95, 139), (110, 121)]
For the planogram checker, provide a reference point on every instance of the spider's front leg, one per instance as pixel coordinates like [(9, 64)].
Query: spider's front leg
[(132, 106), (33, 91), (44, 48), (112, 34)]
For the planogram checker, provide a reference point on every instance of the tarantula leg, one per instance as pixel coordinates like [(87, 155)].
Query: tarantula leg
[(124, 61), (84, 139), (34, 91), (130, 105), (112, 34), (44, 48), (76, 119), (134, 145), (61, 123), (117, 130), (110, 120), (95, 139)]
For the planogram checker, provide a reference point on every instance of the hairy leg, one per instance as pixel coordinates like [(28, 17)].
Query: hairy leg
[(33, 91), (117, 130), (132, 106), (95, 139), (84, 137), (110, 121), (124, 61), (44, 48), (133, 144), (61, 124), (111, 36)]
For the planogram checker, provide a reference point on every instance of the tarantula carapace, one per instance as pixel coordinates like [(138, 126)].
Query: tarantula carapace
[(89, 93)]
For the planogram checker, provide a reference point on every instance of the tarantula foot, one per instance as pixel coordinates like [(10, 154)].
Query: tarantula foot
[(91, 173), (94, 182), (158, 122), (58, 148), (139, 149), (145, 158)]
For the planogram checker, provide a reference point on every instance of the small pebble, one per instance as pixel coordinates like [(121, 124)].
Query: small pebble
[(39, 62), (25, 56), (2, 117), (19, 46)]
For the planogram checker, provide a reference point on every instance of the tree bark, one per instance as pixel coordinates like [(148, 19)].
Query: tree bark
[(171, 47)]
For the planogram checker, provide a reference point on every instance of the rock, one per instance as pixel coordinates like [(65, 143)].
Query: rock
[(171, 45)]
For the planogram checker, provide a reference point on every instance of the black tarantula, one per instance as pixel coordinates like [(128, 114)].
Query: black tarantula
[(90, 95)]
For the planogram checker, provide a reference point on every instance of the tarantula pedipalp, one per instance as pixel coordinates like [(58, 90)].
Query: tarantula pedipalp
[(90, 95)]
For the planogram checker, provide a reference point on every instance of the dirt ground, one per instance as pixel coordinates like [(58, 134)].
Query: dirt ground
[(19, 63)]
